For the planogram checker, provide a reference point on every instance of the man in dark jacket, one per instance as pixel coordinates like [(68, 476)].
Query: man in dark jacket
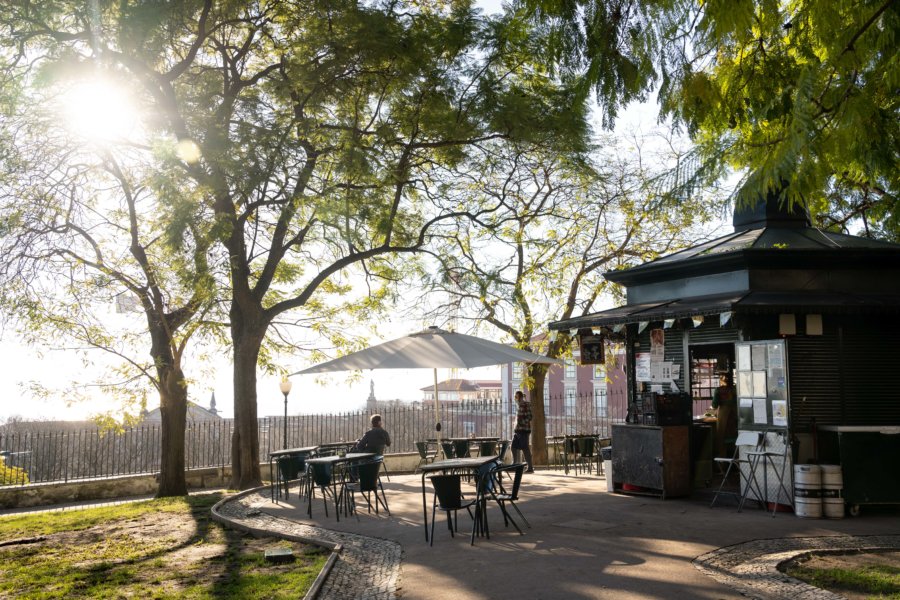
[(375, 440)]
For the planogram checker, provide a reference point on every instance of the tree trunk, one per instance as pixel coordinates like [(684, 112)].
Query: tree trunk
[(173, 410), (245, 472), (537, 375)]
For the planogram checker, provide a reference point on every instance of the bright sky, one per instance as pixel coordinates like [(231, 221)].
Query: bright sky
[(57, 369)]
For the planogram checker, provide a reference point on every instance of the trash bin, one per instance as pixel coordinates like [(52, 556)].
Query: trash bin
[(606, 455)]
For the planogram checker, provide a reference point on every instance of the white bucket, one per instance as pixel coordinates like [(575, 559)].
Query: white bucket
[(808, 491), (833, 491)]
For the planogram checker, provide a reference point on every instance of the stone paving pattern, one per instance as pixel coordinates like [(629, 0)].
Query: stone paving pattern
[(369, 568), (752, 567)]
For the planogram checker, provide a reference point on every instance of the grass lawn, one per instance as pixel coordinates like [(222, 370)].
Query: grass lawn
[(167, 548), (855, 576)]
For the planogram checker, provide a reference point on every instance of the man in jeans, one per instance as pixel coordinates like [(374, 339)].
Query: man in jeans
[(523, 431)]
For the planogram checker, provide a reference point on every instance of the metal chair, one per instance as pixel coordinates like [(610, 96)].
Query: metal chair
[(425, 456), (367, 482), (585, 457), (449, 498), (749, 441), (502, 448), (321, 476), (461, 449), (487, 448), (291, 468), (770, 459), (503, 496), (449, 449)]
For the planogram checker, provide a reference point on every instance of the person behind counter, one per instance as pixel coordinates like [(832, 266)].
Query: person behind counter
[(725, 402)]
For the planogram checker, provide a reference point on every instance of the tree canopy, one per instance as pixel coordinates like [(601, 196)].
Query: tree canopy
[(560, 223), (799, 91), (318, 135)]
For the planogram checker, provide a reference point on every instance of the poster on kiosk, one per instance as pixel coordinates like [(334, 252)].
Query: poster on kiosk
[(761, 381), (762, 394)]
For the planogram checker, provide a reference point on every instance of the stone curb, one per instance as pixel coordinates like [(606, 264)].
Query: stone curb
[(751, 568)]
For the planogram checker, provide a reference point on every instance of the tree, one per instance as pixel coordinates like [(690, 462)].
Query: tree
[(82, 233), (802, 91), (561, 222), (317, 132)]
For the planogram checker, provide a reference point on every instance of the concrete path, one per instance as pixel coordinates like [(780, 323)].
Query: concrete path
[(583, 543)]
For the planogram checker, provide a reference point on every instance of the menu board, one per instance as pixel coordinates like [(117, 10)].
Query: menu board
[(761, 381)]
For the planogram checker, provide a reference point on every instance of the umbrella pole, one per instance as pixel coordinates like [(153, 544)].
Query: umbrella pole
[(437, 413)]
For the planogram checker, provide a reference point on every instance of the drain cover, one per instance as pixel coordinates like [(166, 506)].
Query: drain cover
[(279, 555)]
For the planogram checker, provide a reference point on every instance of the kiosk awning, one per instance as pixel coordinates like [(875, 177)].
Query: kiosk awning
[(747, 301)]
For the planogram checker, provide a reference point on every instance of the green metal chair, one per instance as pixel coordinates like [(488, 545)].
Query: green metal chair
[(425, 456)]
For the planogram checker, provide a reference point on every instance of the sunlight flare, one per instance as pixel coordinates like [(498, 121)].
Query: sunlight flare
[(99, 110)]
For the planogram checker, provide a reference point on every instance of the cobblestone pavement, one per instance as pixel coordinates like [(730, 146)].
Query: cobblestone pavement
[(752, 567), (367, 568)]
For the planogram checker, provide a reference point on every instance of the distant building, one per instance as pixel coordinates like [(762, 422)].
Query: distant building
[(572, 390), (195, 414), (464, 390)]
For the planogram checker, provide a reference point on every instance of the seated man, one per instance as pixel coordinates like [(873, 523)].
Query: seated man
[(375, 440)]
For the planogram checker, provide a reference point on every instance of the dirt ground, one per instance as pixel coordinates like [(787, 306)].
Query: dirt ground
[(858, 560)]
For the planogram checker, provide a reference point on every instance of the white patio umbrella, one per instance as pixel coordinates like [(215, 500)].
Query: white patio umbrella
[(432, 348)]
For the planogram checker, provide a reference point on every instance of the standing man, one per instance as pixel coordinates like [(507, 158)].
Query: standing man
[(376, 439), (521, 441)]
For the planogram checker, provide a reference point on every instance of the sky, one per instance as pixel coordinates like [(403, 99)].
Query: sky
[(57, 369), (310, 394)]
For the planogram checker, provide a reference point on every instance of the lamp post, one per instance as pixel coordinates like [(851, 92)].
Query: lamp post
[(285, 389)]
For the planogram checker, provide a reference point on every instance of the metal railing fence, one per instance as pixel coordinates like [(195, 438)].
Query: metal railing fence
[(31, 454)]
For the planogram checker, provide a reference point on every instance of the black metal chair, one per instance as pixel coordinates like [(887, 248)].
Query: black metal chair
[(425, 456), (322, 476), (461, 449), (292, 468), (503, 495), (367, 482), (449, 449), (586, 451), (449, 498), (487, 448), (502, 448)]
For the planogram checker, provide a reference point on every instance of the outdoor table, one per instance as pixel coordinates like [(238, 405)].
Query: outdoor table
[(470, 464), (472, 441), (286, 453), (335, 461), (334, 447)]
